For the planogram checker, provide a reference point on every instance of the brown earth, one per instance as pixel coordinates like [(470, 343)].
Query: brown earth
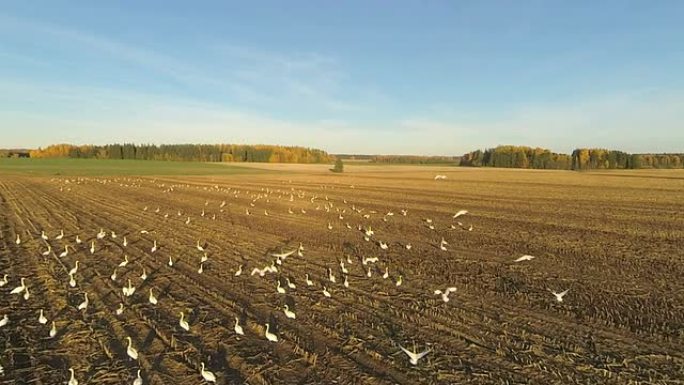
[(615, 239)]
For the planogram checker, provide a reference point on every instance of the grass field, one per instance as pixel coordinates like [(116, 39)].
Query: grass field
[(613, 239), (107, 167)]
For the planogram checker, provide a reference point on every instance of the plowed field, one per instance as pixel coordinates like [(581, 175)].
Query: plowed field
[(615, 240)]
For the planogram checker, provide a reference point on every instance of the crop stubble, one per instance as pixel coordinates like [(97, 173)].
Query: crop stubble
[(614, 241)]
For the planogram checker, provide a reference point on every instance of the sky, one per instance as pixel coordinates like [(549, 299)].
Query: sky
[(371, 77)]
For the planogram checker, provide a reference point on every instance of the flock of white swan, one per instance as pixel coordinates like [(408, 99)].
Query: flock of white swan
[(128, 289)]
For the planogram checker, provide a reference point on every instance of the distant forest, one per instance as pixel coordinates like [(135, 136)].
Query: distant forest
[(188, 152), (501, 156), (401, 159), (414, 159), (580, 159)]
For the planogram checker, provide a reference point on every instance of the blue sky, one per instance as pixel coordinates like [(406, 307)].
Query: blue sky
[(409, 77)]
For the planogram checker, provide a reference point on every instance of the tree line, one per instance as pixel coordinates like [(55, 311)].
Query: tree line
[(187, 152), (501, 156), (517, 157), (596, 158), (580, 159), (413, 159), (13, 153)]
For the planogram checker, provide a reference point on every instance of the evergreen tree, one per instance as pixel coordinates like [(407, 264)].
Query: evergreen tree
[(339, 166)]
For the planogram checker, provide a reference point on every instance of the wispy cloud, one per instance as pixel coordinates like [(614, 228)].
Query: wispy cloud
[(637, 121), (311, 77), (251, 94), (24, 59), (249, 76), (285, 62), (99, 115), (116, 50)]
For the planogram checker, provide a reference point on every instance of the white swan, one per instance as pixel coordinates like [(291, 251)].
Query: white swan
[(124, 262), (84, 305), (344, 269), (459, 213), (138, 379), (283, 255), (238, 328), (445, 293), (183, 323), (270, 336), (559, 296), (279, 288), (525, 258), (74, 269), (368, 260), (19, 288), (72, 380), (442, 245), (128, 291), (130, 350), (289, 313), (207, 375), (53, 330), (414, 357), (152, 299)]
